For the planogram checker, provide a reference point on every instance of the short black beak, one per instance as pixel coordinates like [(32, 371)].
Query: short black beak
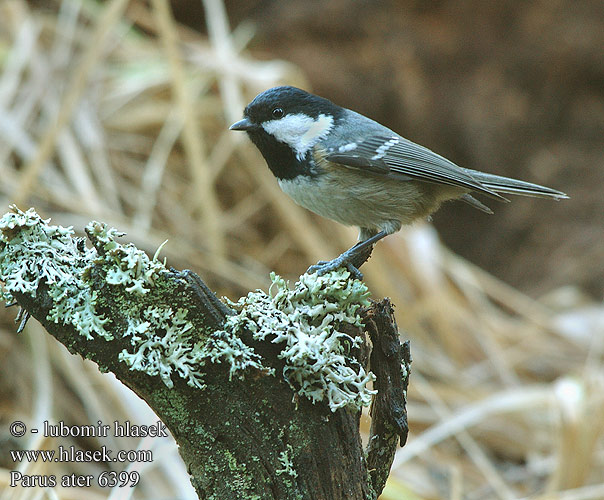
[(245, 124)]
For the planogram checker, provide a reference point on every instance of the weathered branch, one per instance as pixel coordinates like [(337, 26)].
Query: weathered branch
[(256, 413), (390, 361)]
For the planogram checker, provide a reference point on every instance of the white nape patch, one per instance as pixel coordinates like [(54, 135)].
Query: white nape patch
[(299, 131), (347, 147), (383, 149)]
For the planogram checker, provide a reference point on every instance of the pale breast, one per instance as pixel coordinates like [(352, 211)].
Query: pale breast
[(353, 197)]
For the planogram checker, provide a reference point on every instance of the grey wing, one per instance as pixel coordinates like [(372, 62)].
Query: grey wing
[(400, 158)]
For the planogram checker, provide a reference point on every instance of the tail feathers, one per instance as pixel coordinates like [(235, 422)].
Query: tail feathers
[(506, 185)]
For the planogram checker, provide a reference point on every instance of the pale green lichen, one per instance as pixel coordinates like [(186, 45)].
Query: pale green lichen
[(33, 252), (307, 321), (26, 234), (286, 462), (164, 343), (222, 347), (128, 266)]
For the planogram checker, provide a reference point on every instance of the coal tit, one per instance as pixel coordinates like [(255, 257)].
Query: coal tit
[(349, 168)]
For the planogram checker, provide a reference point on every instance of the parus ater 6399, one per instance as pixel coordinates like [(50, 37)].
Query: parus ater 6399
[(349, 168)]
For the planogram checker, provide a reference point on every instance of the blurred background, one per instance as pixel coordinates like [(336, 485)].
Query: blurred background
[(119, 111)]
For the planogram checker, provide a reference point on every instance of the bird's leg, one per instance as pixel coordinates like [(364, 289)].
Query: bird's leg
[(351, 259)]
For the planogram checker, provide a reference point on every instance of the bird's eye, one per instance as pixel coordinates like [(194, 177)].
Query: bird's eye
[(278, 112)]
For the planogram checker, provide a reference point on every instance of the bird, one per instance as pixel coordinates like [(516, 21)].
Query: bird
[(349, 168)]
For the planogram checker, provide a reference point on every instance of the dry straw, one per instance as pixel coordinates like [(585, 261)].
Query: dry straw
[(114, 111)]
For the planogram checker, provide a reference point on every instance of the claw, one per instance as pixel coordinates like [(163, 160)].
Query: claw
[(354, 272)]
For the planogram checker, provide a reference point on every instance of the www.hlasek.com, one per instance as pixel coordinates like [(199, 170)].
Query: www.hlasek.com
[(72, 454)]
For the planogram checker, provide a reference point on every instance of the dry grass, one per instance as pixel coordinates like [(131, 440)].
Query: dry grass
[(115, 112)]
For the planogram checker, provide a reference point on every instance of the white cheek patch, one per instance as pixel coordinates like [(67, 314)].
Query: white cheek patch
[(299, 131)]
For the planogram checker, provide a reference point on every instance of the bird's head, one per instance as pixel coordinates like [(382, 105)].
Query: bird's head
[(287, 122)]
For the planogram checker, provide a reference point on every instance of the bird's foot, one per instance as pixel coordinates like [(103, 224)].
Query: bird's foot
[(351, 259), (342, 261)]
